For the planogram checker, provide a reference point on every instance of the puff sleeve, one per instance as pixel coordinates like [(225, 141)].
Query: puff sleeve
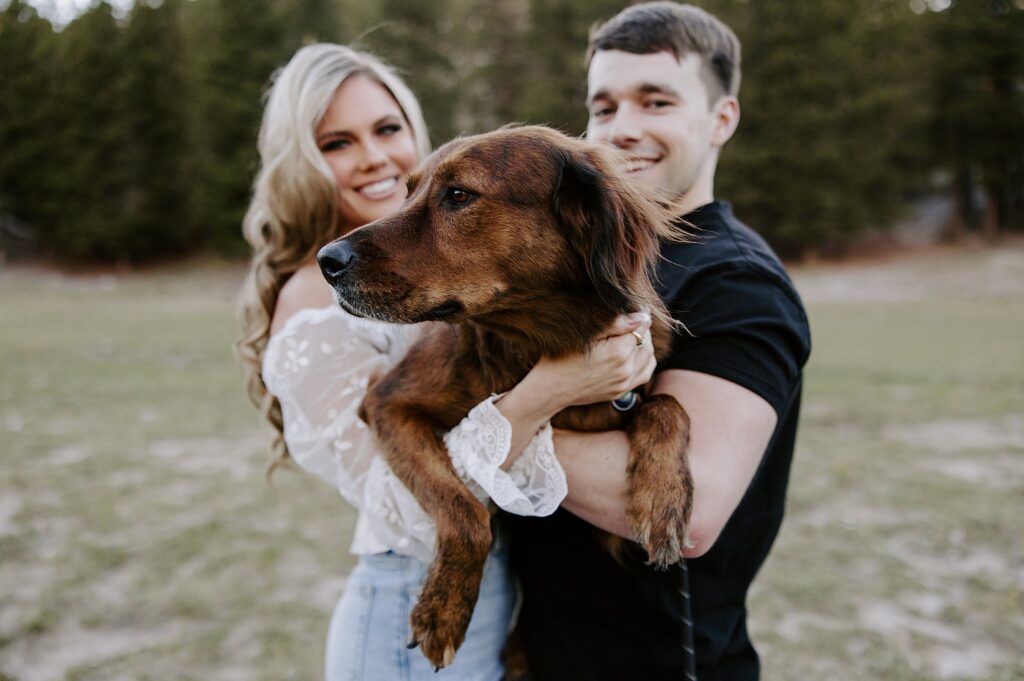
[(319, 366)]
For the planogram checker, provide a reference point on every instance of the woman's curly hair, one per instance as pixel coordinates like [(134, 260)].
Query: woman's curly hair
[(294, 207)]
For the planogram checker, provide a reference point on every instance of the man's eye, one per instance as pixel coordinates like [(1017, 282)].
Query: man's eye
[(601, 113)]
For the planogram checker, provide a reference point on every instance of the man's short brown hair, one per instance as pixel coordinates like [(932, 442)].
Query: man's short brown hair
[(681, 30)]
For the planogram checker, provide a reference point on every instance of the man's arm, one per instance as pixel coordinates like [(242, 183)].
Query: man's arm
[(730, 430)]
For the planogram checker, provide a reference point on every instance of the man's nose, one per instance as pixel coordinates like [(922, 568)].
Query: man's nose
[(624, 129)]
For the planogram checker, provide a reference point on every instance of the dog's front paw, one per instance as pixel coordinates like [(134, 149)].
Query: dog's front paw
[(439, 622), (660, 520), (661, 487)]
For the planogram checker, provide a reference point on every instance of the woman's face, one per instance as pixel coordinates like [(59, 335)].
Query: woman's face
[(370, 149)]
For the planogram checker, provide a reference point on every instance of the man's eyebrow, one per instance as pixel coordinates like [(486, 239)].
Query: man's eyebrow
[(642, 88), (600, 94), (658, 88)]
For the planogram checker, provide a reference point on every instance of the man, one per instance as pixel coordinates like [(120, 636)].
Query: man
[(663, 80)]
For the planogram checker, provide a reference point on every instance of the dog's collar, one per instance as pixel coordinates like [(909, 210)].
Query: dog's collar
[(625, 401)]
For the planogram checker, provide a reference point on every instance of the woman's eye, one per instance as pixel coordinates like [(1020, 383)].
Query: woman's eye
[(388, 130), (334, 145)]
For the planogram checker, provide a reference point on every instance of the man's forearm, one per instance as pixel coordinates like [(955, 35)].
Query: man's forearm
[(730, 428), (595, 468)]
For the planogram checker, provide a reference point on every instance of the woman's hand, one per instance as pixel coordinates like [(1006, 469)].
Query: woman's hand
[(617, 362)]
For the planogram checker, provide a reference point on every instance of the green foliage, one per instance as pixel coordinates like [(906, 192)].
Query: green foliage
[(412, 36), (28, 83), (978, 90), (828, 99), (92, 182), (130, 139), (556, 92), (243, 46), (157, 209)]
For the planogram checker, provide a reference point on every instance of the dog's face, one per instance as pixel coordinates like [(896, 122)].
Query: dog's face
[(493, 224)]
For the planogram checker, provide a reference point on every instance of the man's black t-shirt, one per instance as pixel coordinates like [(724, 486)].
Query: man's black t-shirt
[(587, 617)]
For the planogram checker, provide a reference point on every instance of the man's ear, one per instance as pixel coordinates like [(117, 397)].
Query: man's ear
[(726, 112)]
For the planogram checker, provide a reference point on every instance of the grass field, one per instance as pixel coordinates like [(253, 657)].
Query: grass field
[(138, 539)]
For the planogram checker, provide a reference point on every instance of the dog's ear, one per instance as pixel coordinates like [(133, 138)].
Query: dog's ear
[(613, 226)]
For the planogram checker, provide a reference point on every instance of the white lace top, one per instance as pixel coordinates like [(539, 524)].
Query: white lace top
[(318, 367)]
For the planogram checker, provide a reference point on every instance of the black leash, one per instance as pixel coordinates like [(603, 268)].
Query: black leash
[(688, 645)]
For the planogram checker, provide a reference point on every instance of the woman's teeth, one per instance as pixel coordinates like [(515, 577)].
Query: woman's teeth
[(378, 189)]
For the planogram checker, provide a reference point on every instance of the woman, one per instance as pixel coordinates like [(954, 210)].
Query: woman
[(340, 134)]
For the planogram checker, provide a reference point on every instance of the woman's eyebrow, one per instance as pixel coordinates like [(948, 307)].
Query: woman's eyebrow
[(331, 133), (376, 124)]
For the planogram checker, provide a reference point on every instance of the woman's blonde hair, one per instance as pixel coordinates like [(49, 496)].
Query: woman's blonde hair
[(294, 209)]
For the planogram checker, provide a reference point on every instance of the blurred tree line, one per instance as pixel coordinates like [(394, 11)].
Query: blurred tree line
[(130, 138)]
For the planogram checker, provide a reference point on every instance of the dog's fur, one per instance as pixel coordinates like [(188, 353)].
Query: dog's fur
[(528, 243)]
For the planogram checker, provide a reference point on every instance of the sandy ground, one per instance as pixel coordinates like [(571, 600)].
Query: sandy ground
[(952, 605)]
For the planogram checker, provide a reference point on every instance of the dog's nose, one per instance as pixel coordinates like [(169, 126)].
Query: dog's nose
[(335, 258)]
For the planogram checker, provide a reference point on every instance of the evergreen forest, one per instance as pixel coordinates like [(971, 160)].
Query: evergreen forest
[(128, 136)]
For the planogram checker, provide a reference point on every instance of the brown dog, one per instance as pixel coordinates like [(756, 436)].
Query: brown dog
[(528, 243)]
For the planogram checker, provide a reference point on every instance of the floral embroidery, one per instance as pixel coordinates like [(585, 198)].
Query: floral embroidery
[(320, 393)]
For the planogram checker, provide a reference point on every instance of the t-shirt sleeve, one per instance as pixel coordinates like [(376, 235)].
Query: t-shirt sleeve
[(744, 326)]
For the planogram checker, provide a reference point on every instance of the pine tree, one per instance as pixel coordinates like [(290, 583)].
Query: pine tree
[(413, 37), (828, 102), (158, 201), (556, 90), (30, 122), (242, 44), (91, 142), (979, 109), (310, 21)]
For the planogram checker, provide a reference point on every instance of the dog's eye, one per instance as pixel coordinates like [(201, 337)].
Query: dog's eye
[(457, 196)]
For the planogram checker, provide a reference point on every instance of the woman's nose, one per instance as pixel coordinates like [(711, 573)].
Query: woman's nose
[(373, 156)]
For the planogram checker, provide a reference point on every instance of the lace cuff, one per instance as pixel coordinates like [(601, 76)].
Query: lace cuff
[(534, 486)]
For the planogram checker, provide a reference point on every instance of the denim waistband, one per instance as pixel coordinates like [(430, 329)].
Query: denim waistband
[(391, 562)]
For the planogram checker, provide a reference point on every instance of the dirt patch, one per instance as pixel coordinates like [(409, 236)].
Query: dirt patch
[(929, 645), (207, 455), (1001, 472), (52, 655), (957, 435), (10, 506), (941, 273)]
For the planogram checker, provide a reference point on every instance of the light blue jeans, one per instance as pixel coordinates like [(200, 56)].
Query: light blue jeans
[(370, 626)]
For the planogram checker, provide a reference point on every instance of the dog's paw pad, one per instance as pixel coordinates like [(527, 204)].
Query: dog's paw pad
[(438, 632), (662, 533)]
